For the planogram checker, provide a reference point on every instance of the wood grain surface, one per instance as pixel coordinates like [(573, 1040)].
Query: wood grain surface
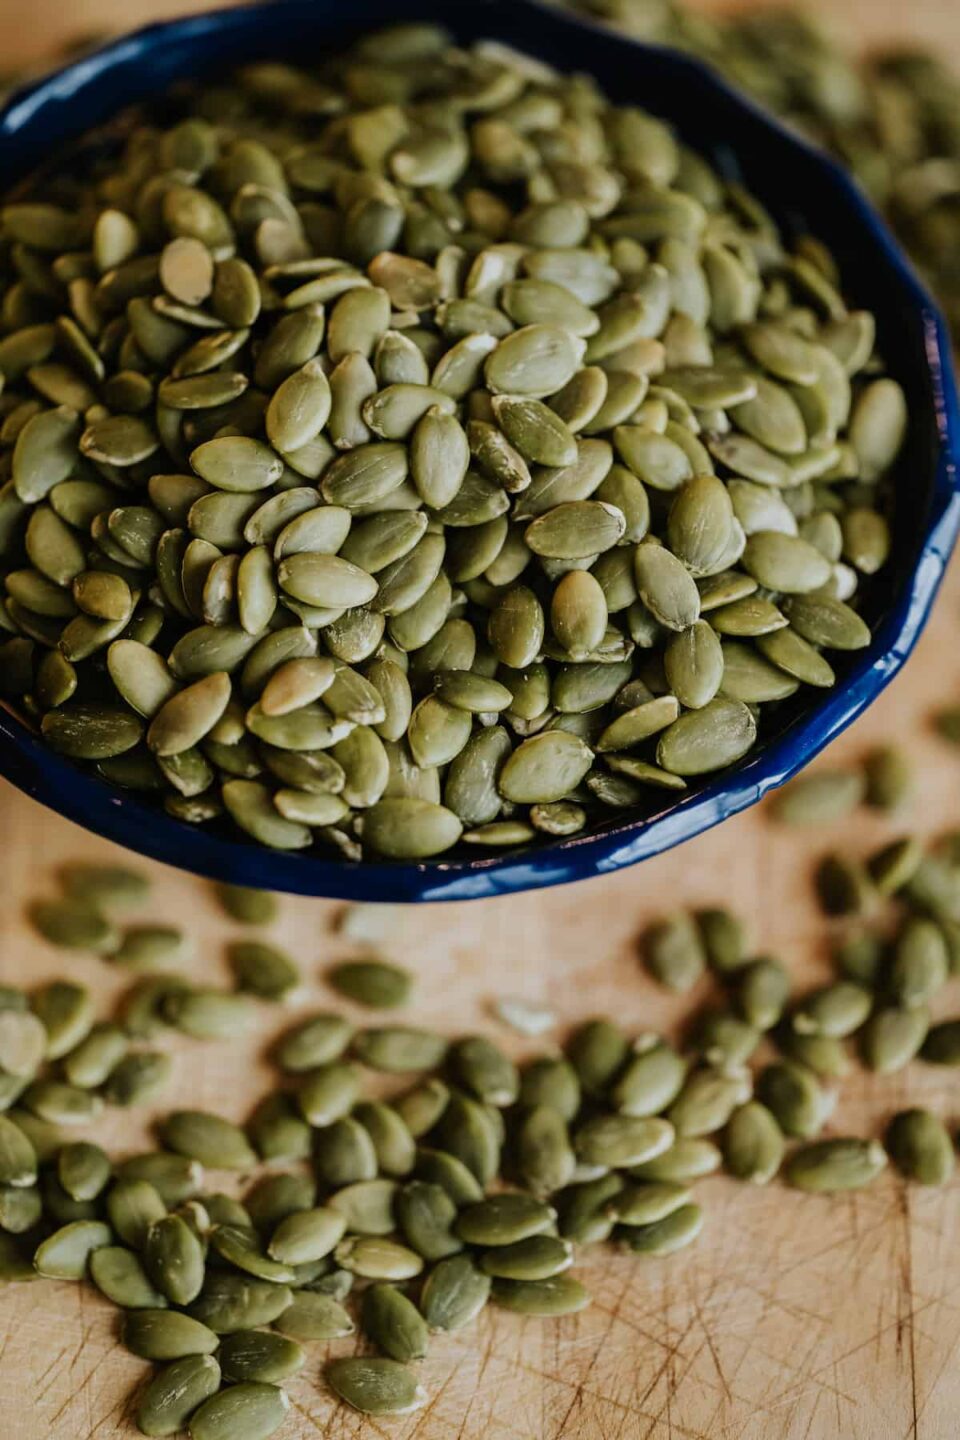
[(793, 1318)]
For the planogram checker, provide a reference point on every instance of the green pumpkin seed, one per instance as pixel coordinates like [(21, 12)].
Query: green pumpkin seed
[(329, 1092), (72, 925), (545, 1157), (18, 1159), (723, 937), (597, 1051), (559, 1295), (794, 1097), (878, 426), (920, 963), (315, 1042), (622, 1140), (825, 621), (174, 1259), (62, 1103), (262, 969), (375, 1386), (166, 1335), (307, 1235), (484, 1070), (407, 828), (545, 768), (146, 946), (676, 1230), (535, 431), (893, 1037), (378, 1258), (209, 1014), (230, 1302), (65, 1254), (313, 1316), (844, 886), (666, 588), (650, 1080), (209, 1139), (706, 1102), (174, 1177), (23, 1043), (835, 1011), (136, 1078), (820, 799), (367, 1205), (275, 1197), (753, 1144), (539, 1257), (888, 773), (674, 953), (238, 1245), (251, 1409), (345, 1153), (83, 1170), (133, 1206), (426, 1214), (400, 1049), (689, 1158), (250, 907), (920, 1147), (394, 1323), (175, 1393), (828, 1166), (454, 1293)]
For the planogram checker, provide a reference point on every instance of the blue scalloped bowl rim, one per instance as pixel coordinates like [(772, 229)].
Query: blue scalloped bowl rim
[(39, 119)]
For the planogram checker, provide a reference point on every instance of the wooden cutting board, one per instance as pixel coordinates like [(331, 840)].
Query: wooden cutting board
[(793, 1318)]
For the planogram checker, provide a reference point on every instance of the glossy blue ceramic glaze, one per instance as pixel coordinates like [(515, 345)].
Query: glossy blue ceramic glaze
[(804, 190)]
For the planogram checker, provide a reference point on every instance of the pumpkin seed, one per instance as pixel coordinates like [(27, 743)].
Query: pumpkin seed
[(920, 963), (263, 969), (674, 953), (454, 1293), (250, 1409), (835, 1011), (230, 1302), (306, 1235), (676, 1230), (753, 1144), (559, 1295), (174, 1259), (65, 1254), (176, 1392), (793, 1095), (375, 1385), (137, 1078), (367, 1204), (889, 777), (315, 1042), (920, 1147), (208, 1139), (893, 1037), (820, 799), (827, 1166), (394, 1323)]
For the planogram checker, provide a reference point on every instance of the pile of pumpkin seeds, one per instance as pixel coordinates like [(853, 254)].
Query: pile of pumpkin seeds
[(476, 1180), (892, 117), (422, 450)]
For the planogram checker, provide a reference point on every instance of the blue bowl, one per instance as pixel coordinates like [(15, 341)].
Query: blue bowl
[(804, 189)]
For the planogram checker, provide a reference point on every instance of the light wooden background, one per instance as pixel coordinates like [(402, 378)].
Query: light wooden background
[(793, 1318)]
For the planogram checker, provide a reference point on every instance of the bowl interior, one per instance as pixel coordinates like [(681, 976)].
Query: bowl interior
[(805, 192)]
